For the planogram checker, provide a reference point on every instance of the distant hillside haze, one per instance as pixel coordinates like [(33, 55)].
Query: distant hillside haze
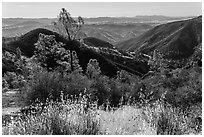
[(176, 39), (110, 29), (16, 21), (136, 19), (116, 32)]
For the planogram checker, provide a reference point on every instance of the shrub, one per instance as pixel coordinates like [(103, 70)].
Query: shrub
[(170, 120), (175, 121), (168, 123), (5, 85), (185, 89), (99, 89), (50, 84), (10, 77), (19, 82), (43, 85)]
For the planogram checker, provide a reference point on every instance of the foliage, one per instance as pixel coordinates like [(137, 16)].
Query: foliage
[(68, 26), (9, 62), (52, 55), (48, 85), (75, 63), (158, 63), (49, 52), (93, 69), (5, 85), (8, 56), (170, 120), (185, 87), (12, 80)]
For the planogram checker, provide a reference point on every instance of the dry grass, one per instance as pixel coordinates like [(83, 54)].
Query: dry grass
[(74, 118), (127, 120), (62, 118)]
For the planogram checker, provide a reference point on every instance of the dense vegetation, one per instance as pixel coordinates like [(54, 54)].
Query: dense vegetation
[(48, 75)]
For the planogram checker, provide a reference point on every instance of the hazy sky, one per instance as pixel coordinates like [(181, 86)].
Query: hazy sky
[(90, 9)]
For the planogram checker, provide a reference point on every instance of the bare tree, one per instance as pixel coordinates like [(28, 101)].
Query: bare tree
[(68, 26)]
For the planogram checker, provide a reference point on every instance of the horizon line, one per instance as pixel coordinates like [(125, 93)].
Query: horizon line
[(100, 17)]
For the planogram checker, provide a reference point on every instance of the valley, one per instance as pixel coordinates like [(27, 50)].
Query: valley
[(177, 39)]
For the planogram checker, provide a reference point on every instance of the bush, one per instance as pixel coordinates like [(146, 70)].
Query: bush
[(5, 85), (175, 121), (170, 120), (46, 85), (99, 90), (13, 80), (185, 89)]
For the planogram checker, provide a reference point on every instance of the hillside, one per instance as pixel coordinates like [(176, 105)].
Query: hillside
[(116, 32), (91, 41), (176, 39), (108, 66)]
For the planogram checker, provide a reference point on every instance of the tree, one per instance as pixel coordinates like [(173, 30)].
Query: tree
[(67, 26), (50, 53), (93, 70), (158, 63), (18, 59), (75, 63), (18, 53)]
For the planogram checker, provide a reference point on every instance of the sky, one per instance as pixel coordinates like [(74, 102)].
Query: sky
[(99, 9)]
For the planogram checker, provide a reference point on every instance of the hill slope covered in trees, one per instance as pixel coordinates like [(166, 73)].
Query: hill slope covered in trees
[(108, 66), (176, 39)]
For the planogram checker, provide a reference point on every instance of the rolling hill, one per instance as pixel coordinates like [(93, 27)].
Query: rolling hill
[(109, 66), (116, 32), (91, 41), (176, 39)]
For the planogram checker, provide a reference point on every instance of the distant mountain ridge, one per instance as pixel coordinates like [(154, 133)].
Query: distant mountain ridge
[(10, 21), (110, 29), (176, 39), (135, 19)]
